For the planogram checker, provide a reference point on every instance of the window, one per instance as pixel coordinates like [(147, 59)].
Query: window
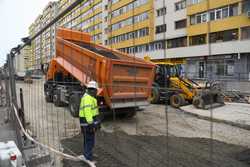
[(229, 68), (198, 40), (161, 28), (224, 67), (233, 10), (194, 1), (180, 5), (245, 33), (131, 35), (128, 7), (220, 68), (215, 14), (204, 17), (177, 42), (225, 12), (161, 11), (245, 6), (218, 14), (192, 20), (224, 36), (130, 21), (198, 19), (180, 24), (114, 1), (212, 15)]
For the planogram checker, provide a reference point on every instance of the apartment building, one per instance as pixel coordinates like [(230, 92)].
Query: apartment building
[(30, 61), (48, 37), (38, 50), (42, 48), (86, 17), (170, 32), (219, 39), (128, 24), (212, 35)]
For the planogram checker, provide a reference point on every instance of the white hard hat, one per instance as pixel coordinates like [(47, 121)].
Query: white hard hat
[(92, 84)]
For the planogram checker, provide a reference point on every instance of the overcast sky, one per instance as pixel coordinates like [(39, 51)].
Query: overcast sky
[(15, 17)]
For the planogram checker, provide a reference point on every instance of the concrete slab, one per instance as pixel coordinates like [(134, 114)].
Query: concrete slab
[(236, 114)]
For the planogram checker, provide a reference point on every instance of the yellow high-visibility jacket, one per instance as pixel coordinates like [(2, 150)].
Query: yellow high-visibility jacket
[(88, 108)]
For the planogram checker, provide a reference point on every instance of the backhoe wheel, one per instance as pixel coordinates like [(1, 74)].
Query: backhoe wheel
[(56, 98), (155, 95), (177, 100), (74, 104), (198, 102)]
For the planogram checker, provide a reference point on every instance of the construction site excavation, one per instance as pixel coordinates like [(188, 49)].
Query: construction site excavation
[(127, 83)]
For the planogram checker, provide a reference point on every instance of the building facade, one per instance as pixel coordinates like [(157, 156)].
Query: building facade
[(219, 37), (48, 37), (43, 47), (213, 36)]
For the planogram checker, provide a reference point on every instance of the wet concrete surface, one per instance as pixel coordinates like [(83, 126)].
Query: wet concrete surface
[(119, 149)]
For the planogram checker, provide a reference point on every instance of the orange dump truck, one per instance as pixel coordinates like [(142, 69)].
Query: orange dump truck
[(124, 81)]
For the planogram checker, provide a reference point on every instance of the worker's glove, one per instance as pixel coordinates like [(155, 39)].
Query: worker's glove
[(97, 125)]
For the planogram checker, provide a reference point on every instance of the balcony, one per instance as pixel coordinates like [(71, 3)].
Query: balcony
[(219, 25), (202, 50), (204, 6)]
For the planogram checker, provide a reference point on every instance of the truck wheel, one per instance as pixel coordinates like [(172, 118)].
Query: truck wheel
[(177, 100), (131, 114), (155, 95), (48, 97), (56, 98), (74, 104)]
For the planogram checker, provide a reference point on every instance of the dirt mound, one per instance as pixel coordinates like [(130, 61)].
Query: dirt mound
[(119, 149)]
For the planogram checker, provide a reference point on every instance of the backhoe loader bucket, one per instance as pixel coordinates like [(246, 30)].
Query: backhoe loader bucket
[(208, 99)]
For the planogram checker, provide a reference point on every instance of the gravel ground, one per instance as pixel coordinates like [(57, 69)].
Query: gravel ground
[(119, 149), (148, 129)]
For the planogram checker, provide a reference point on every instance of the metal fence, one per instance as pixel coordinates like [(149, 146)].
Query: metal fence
[(158, 135)]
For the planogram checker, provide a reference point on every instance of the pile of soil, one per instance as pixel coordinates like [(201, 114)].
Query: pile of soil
[(121, 150)]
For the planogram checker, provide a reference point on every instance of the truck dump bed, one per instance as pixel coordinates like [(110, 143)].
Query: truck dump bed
[(124, 81)]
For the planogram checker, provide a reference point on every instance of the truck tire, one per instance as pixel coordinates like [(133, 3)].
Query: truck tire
[(48, 97), (126, 113), (155, 95), (74, 104), (131, 114), (56, 98), (177, 100)]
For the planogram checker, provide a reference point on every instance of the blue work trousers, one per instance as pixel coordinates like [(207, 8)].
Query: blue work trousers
[(88, 142)]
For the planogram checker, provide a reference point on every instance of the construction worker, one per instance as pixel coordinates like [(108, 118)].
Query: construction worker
[(89, 119)]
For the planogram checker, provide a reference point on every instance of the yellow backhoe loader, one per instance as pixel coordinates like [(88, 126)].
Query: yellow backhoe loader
[(169, 85)]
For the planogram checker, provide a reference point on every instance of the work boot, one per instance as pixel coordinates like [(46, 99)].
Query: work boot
[(81, 157), (93, 162)]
